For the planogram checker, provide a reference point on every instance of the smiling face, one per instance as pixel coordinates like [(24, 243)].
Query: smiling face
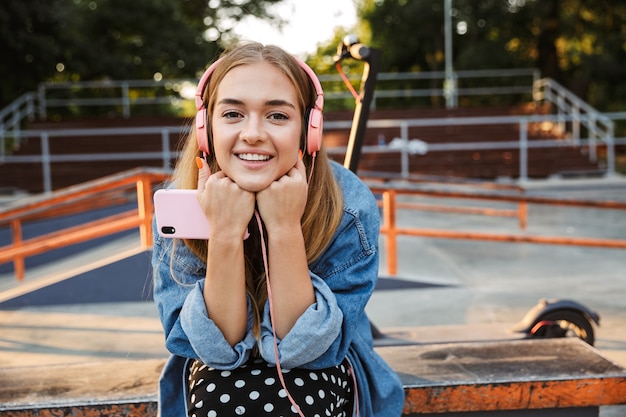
[(256, 125)]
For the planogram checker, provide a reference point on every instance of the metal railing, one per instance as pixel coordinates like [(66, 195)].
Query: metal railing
[(116, 190), (523, 144), (102, 193), (530, 75), (391, 230), (11, 118), (123, 94), (574, 113), (127, 94), (405, 150), (46, 158)]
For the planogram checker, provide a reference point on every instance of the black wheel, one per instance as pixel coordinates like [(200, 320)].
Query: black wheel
[(564, 323)]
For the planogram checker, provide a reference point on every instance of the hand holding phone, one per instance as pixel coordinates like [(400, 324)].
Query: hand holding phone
[(179, 215)]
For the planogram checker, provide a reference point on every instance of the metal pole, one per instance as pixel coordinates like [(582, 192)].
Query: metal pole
[(449, 87), (523, 150), (42, 101), (125, 101), (404, 129), (610, 151), (362, 111), (165, 146), (45, 162)]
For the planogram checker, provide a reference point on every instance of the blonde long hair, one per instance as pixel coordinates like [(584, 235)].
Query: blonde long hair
[(324, 203)]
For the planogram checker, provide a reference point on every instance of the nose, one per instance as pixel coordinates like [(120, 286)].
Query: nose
[(253, 130)]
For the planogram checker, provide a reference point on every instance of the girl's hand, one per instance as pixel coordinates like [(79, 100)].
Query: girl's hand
[(227, 207), (282, 204)]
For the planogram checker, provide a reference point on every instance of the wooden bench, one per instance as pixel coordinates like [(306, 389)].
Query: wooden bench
[(512, 378)]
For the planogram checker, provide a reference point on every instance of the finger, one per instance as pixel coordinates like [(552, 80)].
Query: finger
[(301, 168), (204, 172)]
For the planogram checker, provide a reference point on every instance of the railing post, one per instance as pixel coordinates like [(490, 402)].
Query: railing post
[(45, 162), (389, 227), (404, 133), (522, 214), (539, 91), (165, 146), (18, 260), (17, 126), (42, 101), (576, 124), (593, 135), (561, 115), (125, 101), (30, 107), (610, 149), (144, 210), (523, 149)]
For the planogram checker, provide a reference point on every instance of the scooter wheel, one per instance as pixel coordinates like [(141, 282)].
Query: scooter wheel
[(565, 323)]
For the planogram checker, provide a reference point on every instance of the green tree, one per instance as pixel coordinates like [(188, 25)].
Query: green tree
[(113, 39), (28, 31), (580, 43), (323, 63)]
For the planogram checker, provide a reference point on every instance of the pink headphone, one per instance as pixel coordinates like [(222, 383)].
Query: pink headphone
[(314, 119)]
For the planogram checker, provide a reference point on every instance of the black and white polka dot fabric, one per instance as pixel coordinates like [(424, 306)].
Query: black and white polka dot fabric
[(255, 390)]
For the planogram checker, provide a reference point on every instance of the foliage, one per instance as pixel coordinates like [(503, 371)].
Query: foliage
[(27, 34), (579, 43), (323, 63), (72, 40)]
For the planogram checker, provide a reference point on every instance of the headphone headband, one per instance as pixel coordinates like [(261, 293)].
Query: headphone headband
[(315, 121)]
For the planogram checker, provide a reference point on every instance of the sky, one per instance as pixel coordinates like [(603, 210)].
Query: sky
[(308, 23)]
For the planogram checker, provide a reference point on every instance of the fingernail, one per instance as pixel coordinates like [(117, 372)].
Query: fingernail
[(300, 153), (199, 162)]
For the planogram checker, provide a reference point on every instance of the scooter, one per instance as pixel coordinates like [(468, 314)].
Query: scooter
[(549, 318), (559, 318)]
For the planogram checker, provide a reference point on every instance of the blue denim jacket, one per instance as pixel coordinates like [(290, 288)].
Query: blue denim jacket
[(343, 277)]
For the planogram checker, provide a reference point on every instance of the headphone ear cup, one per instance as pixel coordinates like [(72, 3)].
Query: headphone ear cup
[(201, 130), (314, 131)]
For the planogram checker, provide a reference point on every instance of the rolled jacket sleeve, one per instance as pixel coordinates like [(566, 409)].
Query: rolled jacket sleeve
[(344, 278), (178, 293), (321, 322), (207, 340)]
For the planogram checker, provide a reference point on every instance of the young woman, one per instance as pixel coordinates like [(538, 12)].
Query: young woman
[(267, 317)]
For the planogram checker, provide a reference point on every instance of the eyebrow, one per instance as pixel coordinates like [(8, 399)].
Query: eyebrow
[(276, 102)]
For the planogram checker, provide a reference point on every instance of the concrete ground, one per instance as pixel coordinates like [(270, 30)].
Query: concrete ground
[(445, 290)]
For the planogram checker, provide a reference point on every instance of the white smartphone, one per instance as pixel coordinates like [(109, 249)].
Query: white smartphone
[(179, 215)]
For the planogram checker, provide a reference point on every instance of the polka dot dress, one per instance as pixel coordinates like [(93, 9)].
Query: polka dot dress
[(255, 390)]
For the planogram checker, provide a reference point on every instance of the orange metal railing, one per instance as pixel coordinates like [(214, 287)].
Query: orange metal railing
[(391, 230), (137, 185), (134, 185)]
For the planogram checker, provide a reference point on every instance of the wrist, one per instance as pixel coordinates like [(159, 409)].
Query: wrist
[(285, 232)]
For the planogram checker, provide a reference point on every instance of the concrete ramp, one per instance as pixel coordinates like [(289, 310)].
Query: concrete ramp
[(116, 271)]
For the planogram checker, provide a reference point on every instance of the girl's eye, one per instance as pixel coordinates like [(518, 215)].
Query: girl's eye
[(231, 114), (279, 116)]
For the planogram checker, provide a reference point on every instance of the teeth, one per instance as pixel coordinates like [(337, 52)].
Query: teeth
[(253, 157)]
